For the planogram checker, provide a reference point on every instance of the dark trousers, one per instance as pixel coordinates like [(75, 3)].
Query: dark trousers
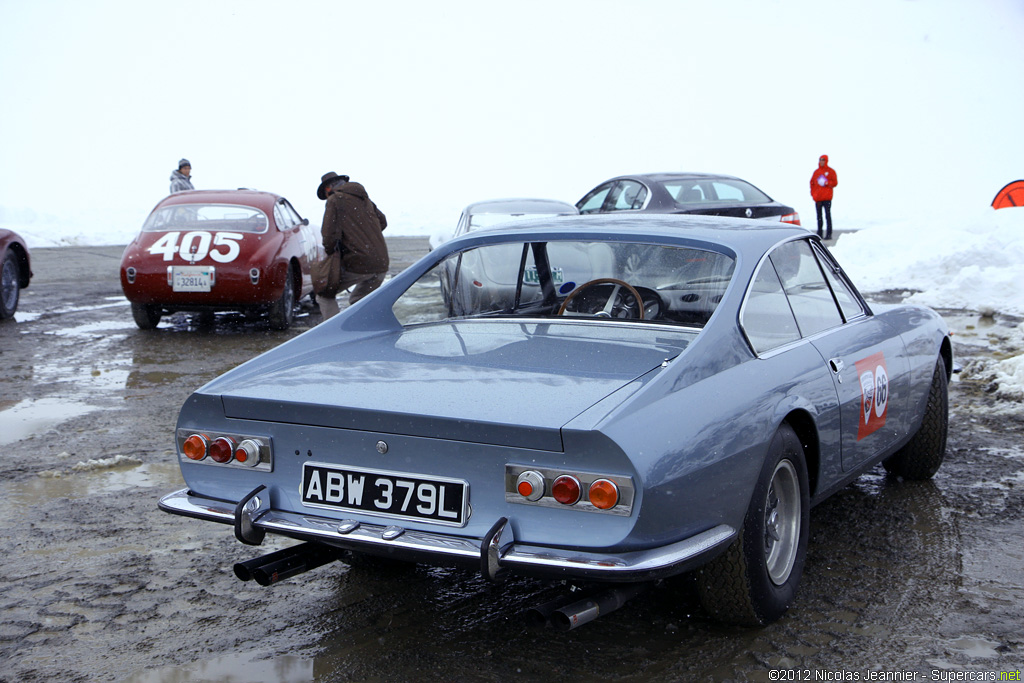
[(827, 205)]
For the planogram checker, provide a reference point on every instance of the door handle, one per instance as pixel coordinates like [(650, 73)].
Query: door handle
[(836, 366)]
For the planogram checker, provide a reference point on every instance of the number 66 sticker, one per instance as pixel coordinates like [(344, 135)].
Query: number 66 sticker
[(874, 394), (195, 246)]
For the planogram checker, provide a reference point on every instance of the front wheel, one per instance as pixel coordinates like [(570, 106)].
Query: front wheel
[(282, 311), (921, 457), (754, 581)]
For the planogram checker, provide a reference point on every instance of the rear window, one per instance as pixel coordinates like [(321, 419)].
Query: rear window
[(601, 281), (714, 190), (210, 217)]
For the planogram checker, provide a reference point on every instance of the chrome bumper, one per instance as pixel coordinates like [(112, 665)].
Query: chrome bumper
[(496, 553)]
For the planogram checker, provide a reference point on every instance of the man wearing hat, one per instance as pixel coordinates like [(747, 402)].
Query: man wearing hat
[(181, 179), (353, 224)]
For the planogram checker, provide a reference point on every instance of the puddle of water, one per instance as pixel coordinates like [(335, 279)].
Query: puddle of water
[(82, 479), (231, 668), (977, 648), (30, 417), (99, 327)]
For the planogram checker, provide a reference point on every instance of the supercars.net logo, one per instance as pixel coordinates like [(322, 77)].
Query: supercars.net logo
[(874, 394)]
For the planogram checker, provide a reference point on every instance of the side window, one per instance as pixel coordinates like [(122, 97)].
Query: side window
[(767, 319), (593, 202), (627, 195), (848, 301), (804, 283)]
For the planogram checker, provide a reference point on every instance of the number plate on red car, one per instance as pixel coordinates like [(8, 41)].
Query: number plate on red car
[(191, 279), (383, 493)]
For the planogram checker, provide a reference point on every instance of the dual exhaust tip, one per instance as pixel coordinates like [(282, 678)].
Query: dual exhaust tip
[(563, 613)]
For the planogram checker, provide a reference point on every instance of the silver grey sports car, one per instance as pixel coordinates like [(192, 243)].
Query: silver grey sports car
[(587, 423)]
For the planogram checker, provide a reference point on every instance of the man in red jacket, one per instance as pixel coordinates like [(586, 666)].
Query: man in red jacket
[(822, 182)]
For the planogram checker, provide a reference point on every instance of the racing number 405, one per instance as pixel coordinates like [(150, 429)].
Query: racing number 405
[(195, 246)]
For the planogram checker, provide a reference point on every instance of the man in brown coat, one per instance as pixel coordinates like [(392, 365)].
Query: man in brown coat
[(355, 225)]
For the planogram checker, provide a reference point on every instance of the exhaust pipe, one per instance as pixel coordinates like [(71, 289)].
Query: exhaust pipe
[(286, 563), (586, 610)]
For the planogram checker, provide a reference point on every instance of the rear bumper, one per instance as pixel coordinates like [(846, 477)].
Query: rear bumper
[(496, 553)]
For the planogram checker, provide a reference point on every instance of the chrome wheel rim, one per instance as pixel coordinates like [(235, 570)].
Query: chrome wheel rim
[(782, 522)]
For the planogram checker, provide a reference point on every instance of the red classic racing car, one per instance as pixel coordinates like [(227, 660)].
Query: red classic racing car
[(220, 250)]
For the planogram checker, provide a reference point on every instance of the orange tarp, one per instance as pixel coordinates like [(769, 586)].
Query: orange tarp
[(1011, 195)]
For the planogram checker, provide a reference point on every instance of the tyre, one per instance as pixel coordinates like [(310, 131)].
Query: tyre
[(754, 581), (922, 456), (10, 285), (282, 311), (146, 316)]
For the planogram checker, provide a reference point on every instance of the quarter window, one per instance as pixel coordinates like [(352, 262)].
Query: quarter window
[(804, 283), (593, 202), (767, 318)]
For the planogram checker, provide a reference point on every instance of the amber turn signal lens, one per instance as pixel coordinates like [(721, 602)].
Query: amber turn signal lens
[(195, 447), (604, 494), (566, 490), (222, 449)]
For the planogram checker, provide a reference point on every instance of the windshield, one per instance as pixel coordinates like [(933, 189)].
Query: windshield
[(615, 281), (211, 217)]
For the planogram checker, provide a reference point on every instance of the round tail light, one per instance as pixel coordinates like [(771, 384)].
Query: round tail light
[(248, 453), (530, 485), (604, 494), (566, 489), (195, 447), (222, 449)]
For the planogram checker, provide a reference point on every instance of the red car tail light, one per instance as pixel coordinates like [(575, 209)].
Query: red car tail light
[(603, 494), (196, 447), (222, 449), (793, 218), (566, 490)]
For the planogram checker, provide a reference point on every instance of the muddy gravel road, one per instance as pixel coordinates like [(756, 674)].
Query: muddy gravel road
[(926, 578)]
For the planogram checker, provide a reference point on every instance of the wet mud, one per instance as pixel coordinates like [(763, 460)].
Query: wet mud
[(98, 585)]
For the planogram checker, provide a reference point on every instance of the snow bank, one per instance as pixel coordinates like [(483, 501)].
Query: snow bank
[(974, 263)]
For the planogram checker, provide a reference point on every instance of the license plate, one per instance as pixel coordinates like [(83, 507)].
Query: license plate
[(192, 279), (385, 494), (530, 277)]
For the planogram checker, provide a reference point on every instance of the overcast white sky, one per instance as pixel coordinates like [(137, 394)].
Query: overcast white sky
[(435, 105)]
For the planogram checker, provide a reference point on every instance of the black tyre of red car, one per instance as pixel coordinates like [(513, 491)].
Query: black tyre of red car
[(146, 316), (10, 286), (282, 311)]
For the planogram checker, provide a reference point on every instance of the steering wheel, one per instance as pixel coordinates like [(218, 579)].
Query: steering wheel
[(617, 302)]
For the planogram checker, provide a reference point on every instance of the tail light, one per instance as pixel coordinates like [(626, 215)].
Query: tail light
[(587, 491), (222, 449), (233, 450), (566, 490), (793, 218), (196, 447)]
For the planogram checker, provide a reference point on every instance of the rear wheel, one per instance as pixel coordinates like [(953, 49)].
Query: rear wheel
[(146, 316), (754, 581), (282, 311), (10, 285), (922, 456)]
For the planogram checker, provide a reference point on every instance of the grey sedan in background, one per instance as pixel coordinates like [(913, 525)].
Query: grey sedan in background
[(693, 193)]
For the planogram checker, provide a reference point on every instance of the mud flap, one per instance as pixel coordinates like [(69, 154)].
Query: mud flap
[(496, 543), (249, 509)]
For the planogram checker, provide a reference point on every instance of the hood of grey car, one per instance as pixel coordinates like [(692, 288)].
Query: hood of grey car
[(502, 383)]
